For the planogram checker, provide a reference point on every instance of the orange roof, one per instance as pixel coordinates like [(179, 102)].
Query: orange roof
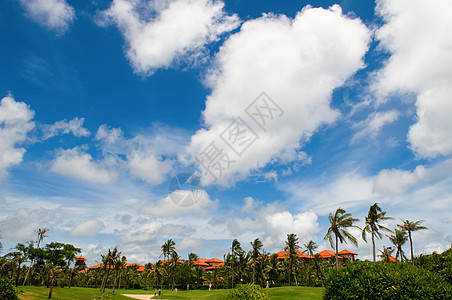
[(347, 252), (80, 258), (140, 267), (96, 266), (213, 267), (214, 260), (327, 254), (393, 259), (283, 254)]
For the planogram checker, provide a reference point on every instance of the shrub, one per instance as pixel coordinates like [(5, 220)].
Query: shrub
[(247, 292), (7, 289), (437, 263), (366, 280)]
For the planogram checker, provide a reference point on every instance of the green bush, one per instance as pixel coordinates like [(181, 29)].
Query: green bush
[(7, 290), (366, 280), (247, 292), (437, 263)]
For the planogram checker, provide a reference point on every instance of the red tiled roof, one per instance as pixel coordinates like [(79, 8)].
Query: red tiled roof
[(214, 260), (393, 259), (283, 254), (327, 254), (80, 258), (347, 252), (140, 267), (213, 267)]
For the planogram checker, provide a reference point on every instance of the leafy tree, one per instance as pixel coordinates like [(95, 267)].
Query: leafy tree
[(340, 221), (69, 252), (106, 266), (118, 263), (410, 227), (292, 255), (19, 257), (255, 252), (372, 224), (41, 235), (399, 238), (53, 272)]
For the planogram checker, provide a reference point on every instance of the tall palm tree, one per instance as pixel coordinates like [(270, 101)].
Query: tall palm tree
[(167, 250), (236, 249), (117, 263), (292, 255), (273, 268), (255, 252), (409, 227), (372, 226), (399, 238), (340, 221)]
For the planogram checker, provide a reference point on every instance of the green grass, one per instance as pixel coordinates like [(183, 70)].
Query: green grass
[(75, 293), (276, 293), (78, 293)]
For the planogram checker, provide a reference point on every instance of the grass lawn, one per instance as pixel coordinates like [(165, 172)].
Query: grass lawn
[(276, 293), (38, 292), (76, 293)]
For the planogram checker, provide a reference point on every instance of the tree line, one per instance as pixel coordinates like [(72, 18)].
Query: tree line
[(55, 263)]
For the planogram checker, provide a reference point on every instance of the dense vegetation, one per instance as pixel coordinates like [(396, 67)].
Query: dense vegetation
[(390, 280)]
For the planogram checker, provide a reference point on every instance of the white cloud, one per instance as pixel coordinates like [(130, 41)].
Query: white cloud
[(159, 33), (22, 225), (55, 15), (74, 126), (417, 36), (272, 224), (298, 63), (148, 167), (374, 123), (87, 229), (15, 123), (78, 164), (165, 207)]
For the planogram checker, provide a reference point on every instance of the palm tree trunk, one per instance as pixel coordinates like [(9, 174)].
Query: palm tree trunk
[(18, 274), (373, 246), (28, 272), (411, 246), (337, 255), (114, 282)]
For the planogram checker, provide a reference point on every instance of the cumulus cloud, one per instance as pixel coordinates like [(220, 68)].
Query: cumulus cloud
[(298, 63), (273, 223), (74, 126), (78, 164), (55, 15), (148, 167), (87, 229), (417, 36), (15, 122), (159, 33)]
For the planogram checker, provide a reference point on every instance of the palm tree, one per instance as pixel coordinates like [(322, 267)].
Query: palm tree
[(372, 226), (255, 252), (310, 247), (409, 227), (399, 238), (236, 249), (292, 255), (118, 263), (167, 250), (273, 268), (386, 253), (340, 221), (41, 235), (107, 264)]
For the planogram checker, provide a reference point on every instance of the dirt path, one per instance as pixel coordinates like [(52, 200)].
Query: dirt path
[(140, 297)]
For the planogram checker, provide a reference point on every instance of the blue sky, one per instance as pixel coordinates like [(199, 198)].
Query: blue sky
[(104, 102)]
